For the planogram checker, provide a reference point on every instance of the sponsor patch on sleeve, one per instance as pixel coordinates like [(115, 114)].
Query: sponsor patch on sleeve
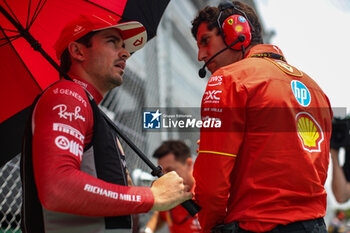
[(286, 68), (309, 132), (64, 113), (72, 146)]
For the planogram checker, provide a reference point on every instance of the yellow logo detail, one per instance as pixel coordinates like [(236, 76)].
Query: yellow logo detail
[(230, 21), (309, 132), (285, 65), (238, 28)]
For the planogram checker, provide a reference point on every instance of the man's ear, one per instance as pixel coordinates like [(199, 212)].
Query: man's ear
[(189, 162), (76, 50)]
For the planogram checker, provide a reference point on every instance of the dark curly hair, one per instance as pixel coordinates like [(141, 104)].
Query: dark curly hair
[(177, 147), (210, 15)]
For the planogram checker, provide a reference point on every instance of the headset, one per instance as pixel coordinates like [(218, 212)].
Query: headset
[(234, 25), (236, 32)]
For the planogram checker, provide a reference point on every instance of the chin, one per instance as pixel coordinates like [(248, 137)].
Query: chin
[(116, 81), (212, 70), (119, 82)]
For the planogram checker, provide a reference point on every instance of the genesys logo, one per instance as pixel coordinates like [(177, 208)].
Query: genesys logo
[(215, 81), (65, 91)]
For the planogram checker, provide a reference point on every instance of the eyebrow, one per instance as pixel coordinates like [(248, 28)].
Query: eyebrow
[(113, 37), (203, 39), (117, 38)]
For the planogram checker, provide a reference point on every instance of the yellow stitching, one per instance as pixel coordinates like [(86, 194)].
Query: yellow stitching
[(219, 153)]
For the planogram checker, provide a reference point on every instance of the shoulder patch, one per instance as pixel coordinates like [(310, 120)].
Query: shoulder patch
[(286, 68)]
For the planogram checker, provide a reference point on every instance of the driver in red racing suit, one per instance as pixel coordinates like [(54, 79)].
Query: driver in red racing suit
[(73, 168)]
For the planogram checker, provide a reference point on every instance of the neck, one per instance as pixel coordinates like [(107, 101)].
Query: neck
[(76, 71), (247, 50)]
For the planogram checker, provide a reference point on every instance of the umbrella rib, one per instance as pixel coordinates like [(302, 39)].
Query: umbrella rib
[(29, 4), (9, 40), (9, 30), (37, 11), (6, 38), (20, 58), (13, 14), (106, 9)]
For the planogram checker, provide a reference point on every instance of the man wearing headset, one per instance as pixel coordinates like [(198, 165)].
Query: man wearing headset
[(264, 170)]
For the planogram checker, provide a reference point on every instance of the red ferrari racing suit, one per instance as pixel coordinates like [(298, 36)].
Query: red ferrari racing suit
[(73, 199), (268, 162)]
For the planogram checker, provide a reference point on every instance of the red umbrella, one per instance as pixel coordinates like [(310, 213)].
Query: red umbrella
[(29, 25)]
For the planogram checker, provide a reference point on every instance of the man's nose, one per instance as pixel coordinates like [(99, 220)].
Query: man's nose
[(124, 54), (202, 55)]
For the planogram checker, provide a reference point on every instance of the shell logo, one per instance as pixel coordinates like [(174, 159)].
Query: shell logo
[(238, 28), (309, 132)]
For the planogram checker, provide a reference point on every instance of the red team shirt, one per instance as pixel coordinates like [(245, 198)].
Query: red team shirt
[(180, 221), (268, 163), (62, 128)]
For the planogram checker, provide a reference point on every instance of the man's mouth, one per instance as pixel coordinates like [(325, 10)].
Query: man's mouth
[(120, 64)]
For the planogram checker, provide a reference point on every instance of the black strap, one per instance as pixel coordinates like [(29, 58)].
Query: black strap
[(270, 55)]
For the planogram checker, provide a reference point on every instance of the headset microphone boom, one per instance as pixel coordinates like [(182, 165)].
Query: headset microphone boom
[(202, 72)]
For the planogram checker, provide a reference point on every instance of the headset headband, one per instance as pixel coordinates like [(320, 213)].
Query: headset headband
[(226, 5)]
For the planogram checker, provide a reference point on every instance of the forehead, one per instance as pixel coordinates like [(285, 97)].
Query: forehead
[(203, 31), (168, 160)]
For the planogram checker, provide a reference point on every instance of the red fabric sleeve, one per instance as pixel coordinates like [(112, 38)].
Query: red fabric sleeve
[(162, 215), (212, 175), (224, 100), (57, 156)]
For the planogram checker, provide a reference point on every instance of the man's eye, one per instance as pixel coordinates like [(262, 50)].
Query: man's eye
[(205, 41)]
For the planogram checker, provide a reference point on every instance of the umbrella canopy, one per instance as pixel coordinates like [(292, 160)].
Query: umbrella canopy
[(28, 64)]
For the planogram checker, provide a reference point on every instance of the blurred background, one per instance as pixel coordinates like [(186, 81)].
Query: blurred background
[(313, 35)]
